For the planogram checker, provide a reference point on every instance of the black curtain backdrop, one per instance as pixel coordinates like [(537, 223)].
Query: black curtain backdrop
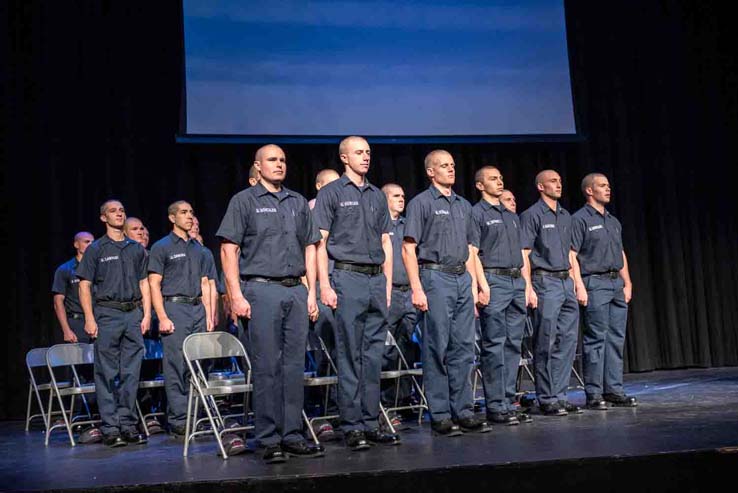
[(91, 96)]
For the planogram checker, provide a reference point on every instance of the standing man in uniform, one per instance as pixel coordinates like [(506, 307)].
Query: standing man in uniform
[(180, 294), (135, 230), (274, 230), (118, 316), (402, 315), (66, 293), (508, 200), (211, 271), (503, 279), (604, 289), (546, 240), (442, 279), (354, 223)]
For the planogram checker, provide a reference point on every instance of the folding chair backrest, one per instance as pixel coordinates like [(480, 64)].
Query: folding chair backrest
[(36, 357), (212, 345), (70, 354)]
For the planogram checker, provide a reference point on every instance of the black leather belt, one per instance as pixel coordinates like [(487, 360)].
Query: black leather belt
[(448, 269), (75, 315), (288, 282), (401, 287), (558, 274), (184, 300), (611, 274), (369, 269), (124, 306), (513, 272)]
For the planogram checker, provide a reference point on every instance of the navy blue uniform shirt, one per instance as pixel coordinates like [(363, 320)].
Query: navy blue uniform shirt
[(356, 219), (397, 234), (496, 232), (210, 272), (597, 239), (272, 231), (181, 263), (114, 268), (441, 226), (548, 236), (66, 282)]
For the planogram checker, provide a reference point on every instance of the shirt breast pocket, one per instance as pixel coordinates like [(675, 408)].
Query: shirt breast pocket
[(268, 223)]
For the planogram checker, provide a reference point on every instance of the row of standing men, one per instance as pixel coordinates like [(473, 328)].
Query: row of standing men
[(445, 259)]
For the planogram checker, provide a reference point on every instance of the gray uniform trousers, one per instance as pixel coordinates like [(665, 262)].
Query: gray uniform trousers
[(361, 330), (605, 319), (448, 344), (187, 319), (503, 326), (401, 323), (119, 350)]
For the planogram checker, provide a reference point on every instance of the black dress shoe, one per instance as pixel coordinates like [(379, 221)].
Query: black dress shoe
[(473, 424), (553, 409), (302, 449), (135, 438), (523, 417), (446, 428), (379, 436), (507, 419), (356, 440), (596, 403), (274, 455), (114, 441), (570, 408), (618, 400)]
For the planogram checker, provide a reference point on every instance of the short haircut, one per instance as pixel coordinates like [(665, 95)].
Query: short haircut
[(387, 188), (253, 172), (174, 206), (588, 181), (539, 176), (104, 206), (81, 234), (323, 174), (342, 145), (479, 175), (430, 158)]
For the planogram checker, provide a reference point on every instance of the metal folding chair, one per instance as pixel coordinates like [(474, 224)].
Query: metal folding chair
[(35, 359), (70, 356), (153, 353), (198, 348), (403, 370), (312, 379)]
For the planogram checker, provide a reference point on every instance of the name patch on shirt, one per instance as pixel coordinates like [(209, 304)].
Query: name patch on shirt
[(177, 255), (109, 259), (392, 233), (262, 210), (549, 226), (441, 212), (595, 227), (74, 281), (494, 221), (348, 203)]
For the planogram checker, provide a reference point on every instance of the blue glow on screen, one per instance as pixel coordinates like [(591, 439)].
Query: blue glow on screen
[(397, 68)]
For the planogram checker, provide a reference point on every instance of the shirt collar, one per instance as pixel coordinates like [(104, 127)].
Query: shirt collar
[(487, 206), (107, 239), (546, 208), (592, 211), (345, 180), (176, 238), (261, 191), (436, 193)]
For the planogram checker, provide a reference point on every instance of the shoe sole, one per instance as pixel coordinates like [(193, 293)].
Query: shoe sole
[(276, 460), (308, 456), (387, 444), (622, 405), (456, 433)]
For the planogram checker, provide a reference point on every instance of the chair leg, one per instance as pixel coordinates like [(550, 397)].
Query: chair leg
[(188, 422), (28, 407), (48, 417), (387, 418), (310, 428), (67, 419), (142, 419), (215, 430)]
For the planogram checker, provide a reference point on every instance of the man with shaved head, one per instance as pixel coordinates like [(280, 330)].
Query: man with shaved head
[(268, 240), (323, 178), (604, 289), (508, 200), (355, 224), (546, 239), (254, 175), (114, 269), (134, 229), (437, 253), (503, 279), (66, 293)]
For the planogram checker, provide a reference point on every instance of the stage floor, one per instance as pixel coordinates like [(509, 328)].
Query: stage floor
[(679, 411)]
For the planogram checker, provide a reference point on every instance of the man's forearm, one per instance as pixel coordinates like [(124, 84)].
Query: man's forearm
[(410, 259), (229, 260), (157, 300)]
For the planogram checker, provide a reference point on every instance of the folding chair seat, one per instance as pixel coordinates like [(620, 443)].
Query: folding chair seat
[(153, 353), (314, 379), (403, 370), (69, 356), (35, 360), (197, 349)]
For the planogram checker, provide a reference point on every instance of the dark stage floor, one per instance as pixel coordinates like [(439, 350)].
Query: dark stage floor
[(688, 415)]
